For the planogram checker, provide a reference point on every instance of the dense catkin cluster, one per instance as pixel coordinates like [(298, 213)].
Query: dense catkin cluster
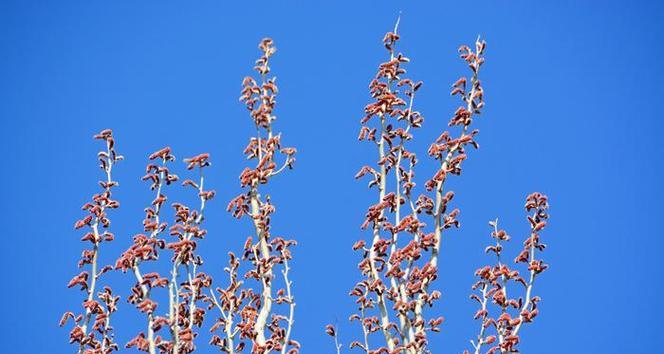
[(499, 329), (92, 332), (256, 307), (248, 316), (251, 316), (185, 284), (400, 260)]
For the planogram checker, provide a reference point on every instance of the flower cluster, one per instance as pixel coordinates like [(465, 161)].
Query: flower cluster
[(186, 286), (92, 331), (248, 315), (400, 261), (500, 331)]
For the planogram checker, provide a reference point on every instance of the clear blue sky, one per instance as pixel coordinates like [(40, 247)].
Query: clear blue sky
[(573, 91)]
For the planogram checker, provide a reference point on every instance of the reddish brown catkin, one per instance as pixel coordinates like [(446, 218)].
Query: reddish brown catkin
[(92, 331), (251, 316)]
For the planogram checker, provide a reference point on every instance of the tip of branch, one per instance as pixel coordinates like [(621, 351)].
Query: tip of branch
[(396, 25)]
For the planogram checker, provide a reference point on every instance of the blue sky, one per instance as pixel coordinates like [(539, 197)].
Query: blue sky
[(573, 91)]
